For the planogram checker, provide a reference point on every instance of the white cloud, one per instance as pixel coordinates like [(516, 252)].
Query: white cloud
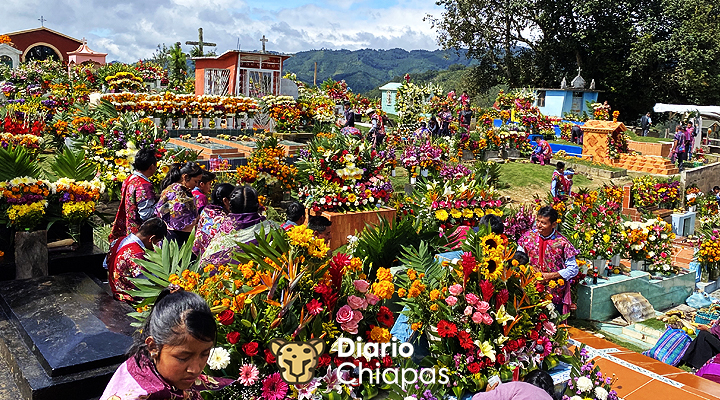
[(132, 29)]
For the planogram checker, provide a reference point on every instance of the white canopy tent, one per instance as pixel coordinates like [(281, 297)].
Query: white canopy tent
[(708, 112)]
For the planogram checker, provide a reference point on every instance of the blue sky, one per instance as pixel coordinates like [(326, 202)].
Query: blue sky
[(131, 29)]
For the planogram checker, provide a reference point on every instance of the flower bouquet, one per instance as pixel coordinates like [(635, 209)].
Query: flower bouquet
[(485, 316), (586, 380), (268, 170), (25, 201)]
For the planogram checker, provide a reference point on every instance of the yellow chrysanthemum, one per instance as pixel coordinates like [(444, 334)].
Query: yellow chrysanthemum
[(441, 215)]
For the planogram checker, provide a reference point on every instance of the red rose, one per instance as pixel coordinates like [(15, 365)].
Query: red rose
[(387, 362), (500, 359), (474, 368), (251, 349), (269, 357), (534, 335), (324, 361), (233, 337), (226, 317)]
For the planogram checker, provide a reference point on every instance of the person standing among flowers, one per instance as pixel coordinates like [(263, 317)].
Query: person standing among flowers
[(689, 139), (169, 352), (552, 255), (349, 128), (120, 261), (466, 115), (561, 185), (137, 197), (377, 132), (645, 123), (678, 147), (295, 215), (445, 119), (177, 205), (211, 216)]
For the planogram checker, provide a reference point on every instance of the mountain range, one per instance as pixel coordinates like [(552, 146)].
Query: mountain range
[(367, 69)]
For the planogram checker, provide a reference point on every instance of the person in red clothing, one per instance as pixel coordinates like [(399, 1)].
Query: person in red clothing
[(137, 198), (120, 261)]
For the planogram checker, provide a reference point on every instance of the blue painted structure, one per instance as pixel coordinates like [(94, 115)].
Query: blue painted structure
[(557, 102), (388, 97)]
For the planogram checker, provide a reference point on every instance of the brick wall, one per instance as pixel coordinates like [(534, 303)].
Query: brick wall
[(651, 149), (704, 177)]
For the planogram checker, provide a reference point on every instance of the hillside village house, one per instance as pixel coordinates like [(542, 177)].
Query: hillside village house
[(236, 72)]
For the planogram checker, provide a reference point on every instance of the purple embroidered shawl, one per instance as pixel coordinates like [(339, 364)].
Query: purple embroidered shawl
[(234, 229), (134, 382), (177, 207), (207, 226)]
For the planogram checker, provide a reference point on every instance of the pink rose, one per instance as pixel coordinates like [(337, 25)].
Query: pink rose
[(371, 299), (482, 306), (361, 285), (451, 301), (357, 303), (471, 298), (350, 328), (357, 317), (477, 317), (487, 319), (344, 315), (468, 310), (456, 289)]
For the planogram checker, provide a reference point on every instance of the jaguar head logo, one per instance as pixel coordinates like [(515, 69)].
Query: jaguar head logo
[(297, 360)]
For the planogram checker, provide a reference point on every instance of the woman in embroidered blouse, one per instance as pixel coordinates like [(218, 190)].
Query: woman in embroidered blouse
[(177, 205), (169, 352), (137, 199), (211, 216)]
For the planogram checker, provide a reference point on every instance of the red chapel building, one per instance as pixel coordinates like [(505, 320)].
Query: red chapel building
[(235, 72), (43, 43)]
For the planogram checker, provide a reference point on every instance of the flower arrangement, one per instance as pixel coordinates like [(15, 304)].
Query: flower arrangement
[(340, 173), (586, 380), (594, 224), (485, 316), (651, 241), (692, 196), (26, 216), (708, 254), (78, 198), (518, 221), (648, 191), (174, 105), (617, 143), (268, 170), (426, 156), (124, 81)]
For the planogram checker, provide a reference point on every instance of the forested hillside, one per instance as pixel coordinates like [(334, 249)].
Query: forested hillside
[(365, 70)]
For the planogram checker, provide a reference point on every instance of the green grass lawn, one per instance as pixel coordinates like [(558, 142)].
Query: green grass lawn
[(647, 139), (524, 175)]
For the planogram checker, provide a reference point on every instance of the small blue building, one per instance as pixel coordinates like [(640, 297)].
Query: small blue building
[(573, 98), (388, 97)]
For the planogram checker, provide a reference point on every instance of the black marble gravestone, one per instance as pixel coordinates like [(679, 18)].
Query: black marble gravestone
[(62, 335)]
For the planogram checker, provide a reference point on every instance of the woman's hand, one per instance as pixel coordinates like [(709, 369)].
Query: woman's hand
[(491, 387)]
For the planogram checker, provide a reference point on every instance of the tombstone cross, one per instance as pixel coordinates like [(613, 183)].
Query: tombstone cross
[(263, 40), (42, 21), (200, 43)]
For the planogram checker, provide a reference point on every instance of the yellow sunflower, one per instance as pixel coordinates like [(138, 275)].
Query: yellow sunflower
[(493, 243), (492, 267), (468, 213)]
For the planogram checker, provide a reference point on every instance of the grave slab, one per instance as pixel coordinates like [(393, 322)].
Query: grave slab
[(63, 335), (594, 301)]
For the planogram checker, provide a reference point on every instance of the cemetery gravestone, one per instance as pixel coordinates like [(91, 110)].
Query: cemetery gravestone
[(63, 335)]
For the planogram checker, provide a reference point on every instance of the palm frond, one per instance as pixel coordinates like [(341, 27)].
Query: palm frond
[(15, 162), (73, 165)]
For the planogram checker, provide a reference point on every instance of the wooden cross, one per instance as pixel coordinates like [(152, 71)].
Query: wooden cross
[(42, 21), (200, 43), (263, 40)]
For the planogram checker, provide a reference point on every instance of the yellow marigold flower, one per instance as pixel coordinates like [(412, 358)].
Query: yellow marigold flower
[(355, 264), (467, 213), (552, 284), (412, 274), (384, 289), (455, 213), (383, 274), (380, 335), (434, 294), (416, 325), (434, 307), (402, 292)]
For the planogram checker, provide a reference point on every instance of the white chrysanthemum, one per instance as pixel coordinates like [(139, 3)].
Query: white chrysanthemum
[(576, 398), (600, 393), (584, 384), (219, 358)]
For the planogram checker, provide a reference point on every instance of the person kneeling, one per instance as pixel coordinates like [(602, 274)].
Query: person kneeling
[(120, 261)]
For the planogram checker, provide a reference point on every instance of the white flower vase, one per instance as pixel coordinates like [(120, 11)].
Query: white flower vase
[(194, 122), (424, 172), (230, 122), (157, 122), (413, 180), (169, 123), (692, 208), (218, 123), (392, 173), (206, 123), (181, 123), (615, 261)]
